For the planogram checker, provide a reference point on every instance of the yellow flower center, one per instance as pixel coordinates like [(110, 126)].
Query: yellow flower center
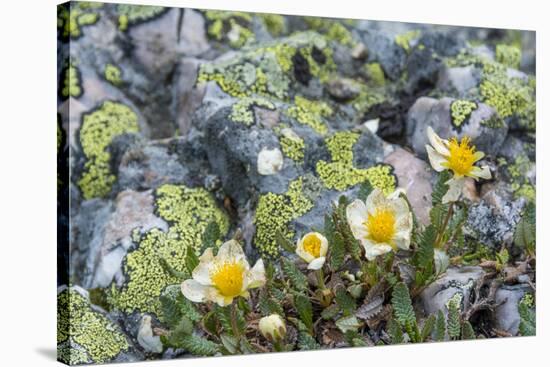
[(312, 245), (381, 226), (228, 278), (462, 156)]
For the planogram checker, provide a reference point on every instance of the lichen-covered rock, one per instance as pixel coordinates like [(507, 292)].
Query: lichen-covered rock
[(508, 298)]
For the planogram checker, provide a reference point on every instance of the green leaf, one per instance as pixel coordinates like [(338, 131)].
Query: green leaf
[(364, 190), (424, 255), (337, 251), (191, 260), (330, 312), (527, 321), (395, 332), (210, 235), (307, 342), (284, 243), (269, 306), (440, 327), (526, 229), (304, 309), (223, 314), (468, 331), (345, 301), (453, 319), (427, 328), (230, 343), (199, 346), (291, 271), (188, 309), (348, 323), (402, 305), (440, 187)]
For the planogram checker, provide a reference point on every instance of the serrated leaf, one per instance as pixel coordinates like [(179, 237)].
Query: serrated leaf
[(307, 342), (345, 301), (269, 306), (230, 343), (364, 190), (440, 327), (526, 230), (371, 309), (395, 332), (199, 346), (188, 309), (528, 320), (468, 331), (348, 323), (284, 243), (427, 328), (425, 253), (441, 261), (191, 260), (296, 277), (441, 187), (453, 319), (210, 235), (337, 251), (402, 305), (304, 309), (330, 312)]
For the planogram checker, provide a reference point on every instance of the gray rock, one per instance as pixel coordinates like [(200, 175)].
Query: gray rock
[(384, 49), (459, 80), (456, 280), (506, 314), (437, 114)]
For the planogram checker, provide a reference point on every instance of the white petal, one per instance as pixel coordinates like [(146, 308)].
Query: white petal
[(397, 193), (403, 240), (324, 245), (194, 291), (404, 223), (356, 214), (372, 250), (436, 159), (483, 172), (256, 275), (317, 263), (375, 200), (440, 145), (455, 189), (231, 251), (478, 155), (202, 272)]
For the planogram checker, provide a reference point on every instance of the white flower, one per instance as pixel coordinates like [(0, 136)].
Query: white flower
[(223, 277), (459, 157), (270, 161), (381, 224), (312, 248), (273, 327)]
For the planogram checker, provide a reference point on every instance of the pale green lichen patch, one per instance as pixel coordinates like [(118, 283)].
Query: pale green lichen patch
[(71, 17), (99, 128), (269, 70), (519, 172), (77, 322), (461, 111), (340, 174), (274, 23), (129, 15), (71, 85), (233, 26), (310, 113), (113, 74), (275, 212), (188, 212), (292, 145), (242, 111), (508, 55), (375, 74), (333, 29), (404, 40)]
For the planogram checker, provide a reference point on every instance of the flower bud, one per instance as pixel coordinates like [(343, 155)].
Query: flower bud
[(273, 327)]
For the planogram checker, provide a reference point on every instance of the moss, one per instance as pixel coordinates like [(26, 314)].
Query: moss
[(340, 174), (268, 70), (528, 300), (292, 145), (98, 130), (376, 74), (310, 113), (274, 23), (113, 74), (508, 55), (242, 111), (71, 17), (129, 15), (275, 212), (461, 111), (71, 84), (404, 40), (233, 27), (188, 212), (100, 339)]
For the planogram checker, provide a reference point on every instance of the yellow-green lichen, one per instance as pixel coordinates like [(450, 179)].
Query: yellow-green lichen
[(461, 110), (113, 74), (71, 17), (367, 98), (188, 212), (404, 40), (129, 15), (333, 29), (274, 23), (292, 145), (79, 323), (310, 113), (71, 86), (99, 128), (340, 174), (376, 74), (242, 111), (233, 26), (508, 55), (518, 171), (275, 212)]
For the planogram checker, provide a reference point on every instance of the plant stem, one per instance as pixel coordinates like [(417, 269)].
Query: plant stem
[(320, 278), (234, 326), (442, 229)]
